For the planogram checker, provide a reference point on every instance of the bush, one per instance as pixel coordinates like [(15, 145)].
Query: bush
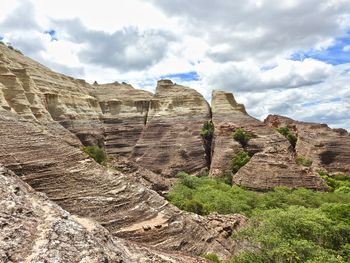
[(288, 134), (207, 130), (338, 183), (284, 225), (239, 160), (295, 234), (96, 153), (301, 160), (212, 257), (241, 136)]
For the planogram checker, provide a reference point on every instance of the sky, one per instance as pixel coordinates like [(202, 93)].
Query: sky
[(289, 57)]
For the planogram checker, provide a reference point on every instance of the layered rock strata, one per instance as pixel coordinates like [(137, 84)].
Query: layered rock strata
[(272, 160), (171, 140), (34, 229), (49, 160), (329, 149)]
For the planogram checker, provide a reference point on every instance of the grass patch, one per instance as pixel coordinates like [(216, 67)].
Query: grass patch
[(301, 160), (96, 153)]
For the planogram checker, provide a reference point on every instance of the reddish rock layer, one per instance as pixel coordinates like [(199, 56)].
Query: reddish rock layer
[(273, 160), (171, 140), (49, 159), (329, 149)]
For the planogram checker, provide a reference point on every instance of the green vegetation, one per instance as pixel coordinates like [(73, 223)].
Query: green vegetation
[(284, 225), (241, 136), (338, 183), (207, 130), (212, 257), (288, 134), (96, 153), (303, 161), (239, 160)]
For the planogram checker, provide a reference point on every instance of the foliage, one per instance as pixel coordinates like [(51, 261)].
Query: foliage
[(241, 136), (212, 257), (297, 234), (207, 130), (239, 160), (288, 134), (217, 196), (285, 225), (303, 161), (337, 183), (96, 153)]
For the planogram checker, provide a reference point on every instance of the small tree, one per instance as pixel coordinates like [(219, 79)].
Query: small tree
[(239, 160), (207, 130), (288, 134), (96, 153), (241, 136)]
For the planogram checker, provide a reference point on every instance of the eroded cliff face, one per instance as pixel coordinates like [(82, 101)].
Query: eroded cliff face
[(272, 160), (48, 159), (329, 149), (46, 118), (170, 141), (34, 229)]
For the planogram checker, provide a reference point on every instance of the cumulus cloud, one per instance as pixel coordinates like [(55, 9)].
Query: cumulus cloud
[(21, 18), (126, 49), (281, 57), (260, 29)]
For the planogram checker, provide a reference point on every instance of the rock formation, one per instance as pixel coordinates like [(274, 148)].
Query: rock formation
[(34, 229), (329, 149), (48, 159), (171, 140), (98, 214), (273, 161)]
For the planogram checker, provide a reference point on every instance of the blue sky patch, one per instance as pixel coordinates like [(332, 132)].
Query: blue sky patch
[(1, 37), (336, 54), (52, 34), (317, 102), (185, 76)]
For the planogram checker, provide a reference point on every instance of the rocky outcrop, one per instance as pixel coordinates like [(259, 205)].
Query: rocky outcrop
[(124, 110), (34, 229), (329, 149), (171, 140), (272, 160), (49, 159)]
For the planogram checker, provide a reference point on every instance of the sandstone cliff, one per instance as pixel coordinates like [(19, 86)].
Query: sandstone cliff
[(46, 118), (33, 229), (272, 163), (329, 149)]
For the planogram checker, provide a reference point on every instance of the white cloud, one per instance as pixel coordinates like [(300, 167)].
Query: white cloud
[(243, 47)]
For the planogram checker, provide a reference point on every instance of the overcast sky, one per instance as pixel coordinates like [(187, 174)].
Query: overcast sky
[(289, 57)]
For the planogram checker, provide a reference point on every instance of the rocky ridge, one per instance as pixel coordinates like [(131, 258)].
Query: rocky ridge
[(46, 118)]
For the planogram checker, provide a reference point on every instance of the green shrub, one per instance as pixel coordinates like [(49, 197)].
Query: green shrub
[(295, 234), (241, 136), (338, 183), (284, 225), (212, 257), (96, 153), (207, 130), (288, 134), (239, 160), (301, 160)]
